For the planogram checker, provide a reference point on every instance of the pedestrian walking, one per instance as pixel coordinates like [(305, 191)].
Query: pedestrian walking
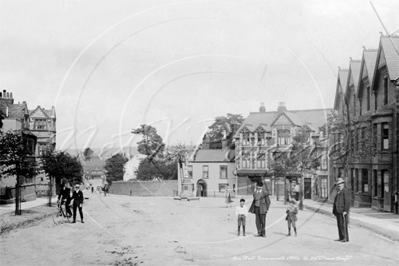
[(241, 212), (92, 189), (341, 210), (291, 217), (77, 198), (260, 206), (227, 196)]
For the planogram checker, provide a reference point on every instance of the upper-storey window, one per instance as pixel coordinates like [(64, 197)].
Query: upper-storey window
[(41, 124), (385, 136), (283, 137), (385, 90), (368, 98)]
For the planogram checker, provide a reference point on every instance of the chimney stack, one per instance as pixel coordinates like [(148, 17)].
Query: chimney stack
[(262, 108), (281, 107), (6, 98)]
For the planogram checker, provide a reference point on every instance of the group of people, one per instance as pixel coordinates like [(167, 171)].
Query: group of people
[(261, 203), (76, 200)]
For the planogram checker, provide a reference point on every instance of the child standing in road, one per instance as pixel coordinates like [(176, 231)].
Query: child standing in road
[(241, 212), (291, 218)]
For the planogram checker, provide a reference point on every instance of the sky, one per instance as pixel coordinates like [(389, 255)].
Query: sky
[(109, 66)]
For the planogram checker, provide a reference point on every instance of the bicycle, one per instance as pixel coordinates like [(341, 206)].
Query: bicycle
[(60, 215)]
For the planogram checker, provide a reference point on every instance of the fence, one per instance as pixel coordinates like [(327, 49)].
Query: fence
[(166, 188)]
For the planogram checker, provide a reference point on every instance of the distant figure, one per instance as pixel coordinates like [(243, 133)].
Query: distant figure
[(241, 212), (291, 218), (341, 210), (227, 195), (92, 189), (77, 198)]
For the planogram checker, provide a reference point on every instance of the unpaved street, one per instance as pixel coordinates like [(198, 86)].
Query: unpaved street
[(122, 230)]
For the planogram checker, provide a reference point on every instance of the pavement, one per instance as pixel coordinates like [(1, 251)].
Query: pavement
[(384, 223)]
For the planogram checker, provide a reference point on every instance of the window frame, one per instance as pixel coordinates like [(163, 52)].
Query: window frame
[(207, 171), (220, 171), (385, 136)]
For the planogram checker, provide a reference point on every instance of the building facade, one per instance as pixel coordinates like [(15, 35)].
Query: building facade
[(371, 97), (264, 133)]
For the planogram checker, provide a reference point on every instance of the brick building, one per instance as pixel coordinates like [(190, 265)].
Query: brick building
[(265, 132), (370, 90)]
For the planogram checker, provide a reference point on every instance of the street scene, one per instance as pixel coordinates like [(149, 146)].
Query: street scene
[(199, 132)]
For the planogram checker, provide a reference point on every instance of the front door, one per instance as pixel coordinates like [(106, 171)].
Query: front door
[(387, 194), (308, 188)]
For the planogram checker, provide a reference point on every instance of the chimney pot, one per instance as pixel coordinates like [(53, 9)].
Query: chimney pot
[(262, 108)]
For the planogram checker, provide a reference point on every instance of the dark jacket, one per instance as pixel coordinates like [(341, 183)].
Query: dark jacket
[(65, 194), (77, 197), (342, 202), (264, 203)]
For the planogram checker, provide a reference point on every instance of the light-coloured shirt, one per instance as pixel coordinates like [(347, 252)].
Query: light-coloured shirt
[(258, 195), (241, 210)]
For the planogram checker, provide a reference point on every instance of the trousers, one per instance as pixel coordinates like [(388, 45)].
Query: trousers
[(260, 220), (342, 223), (75, 207)]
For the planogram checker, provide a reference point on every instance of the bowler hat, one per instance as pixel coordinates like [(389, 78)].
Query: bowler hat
[(340, 181)]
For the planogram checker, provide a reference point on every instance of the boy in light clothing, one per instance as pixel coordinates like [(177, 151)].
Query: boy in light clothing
[(291, 218), (241, 212)]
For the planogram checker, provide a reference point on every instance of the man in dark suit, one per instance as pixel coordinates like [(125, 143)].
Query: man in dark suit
[(65, 198), (260, 206), (77, 197), (341, 210)]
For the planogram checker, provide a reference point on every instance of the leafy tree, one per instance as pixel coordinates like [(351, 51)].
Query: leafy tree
[(230, 123), (353, 137), (160, 169), (17, 158), (60, 165), (150, 142), (114, 168)]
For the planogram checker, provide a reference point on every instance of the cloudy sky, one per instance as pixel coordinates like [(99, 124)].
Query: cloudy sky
[(109, 66)]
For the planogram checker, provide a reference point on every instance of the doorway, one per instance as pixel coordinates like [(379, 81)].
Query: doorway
[(201, 188)]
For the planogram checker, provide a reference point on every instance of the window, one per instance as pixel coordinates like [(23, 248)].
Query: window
[(40, 124), (352, 172), (360, 106), (261, 161), (223, 171), (352, 141), (324, 161), (375, 100), (357, 180), (283, 137), (205, 171), (385, 136), (261, 138), (190, 171), (368, 98), (323, 187), (363, 132), (245, 139), (375, 139), (354, 104), (222, 187), (385, 90), (385, 178), (375, 182), (365, 181)]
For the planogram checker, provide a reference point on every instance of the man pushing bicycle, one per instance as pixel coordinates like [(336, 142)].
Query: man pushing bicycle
[(65, 198)]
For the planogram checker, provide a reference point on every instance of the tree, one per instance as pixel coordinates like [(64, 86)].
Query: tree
[(150, 142), (60, 165), (17, 158), (230, 123), (114, 168), (162, 169), (353, 137)]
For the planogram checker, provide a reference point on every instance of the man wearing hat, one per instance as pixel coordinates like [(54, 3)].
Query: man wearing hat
[(341, 210), (77, 198), (260, 206)]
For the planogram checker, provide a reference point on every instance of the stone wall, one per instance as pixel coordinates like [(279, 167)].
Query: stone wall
[(145, 188)]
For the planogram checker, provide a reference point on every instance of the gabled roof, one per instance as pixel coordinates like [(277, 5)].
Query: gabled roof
[(368, 66), (341, 85), (17, 111), (387, 53), (391, 55), (42, 113), (353, 75), (314, 118)]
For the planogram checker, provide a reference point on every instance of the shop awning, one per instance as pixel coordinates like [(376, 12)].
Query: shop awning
[(252, 173)]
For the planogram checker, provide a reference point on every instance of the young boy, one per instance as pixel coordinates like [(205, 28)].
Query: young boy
[(241, 212), (292, 211)]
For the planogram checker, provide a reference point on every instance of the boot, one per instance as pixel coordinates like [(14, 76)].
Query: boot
[(289, 231), (243, 230), (238, 231), (295, 231)]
